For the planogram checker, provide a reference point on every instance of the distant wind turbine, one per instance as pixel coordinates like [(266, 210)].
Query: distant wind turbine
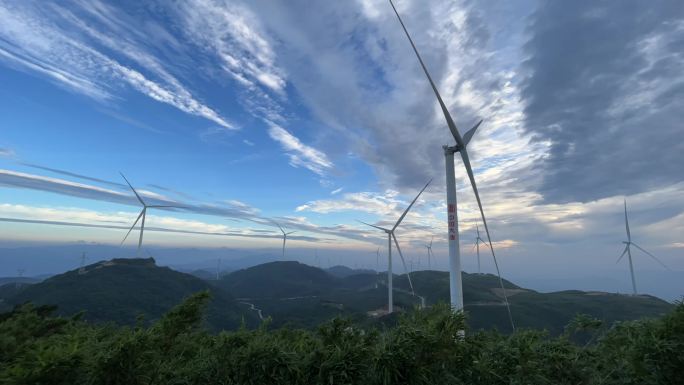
[(141, 215), (479, 239), (628, 251), (377, 259), (81, 268), (390, 236), (455, 279), (20, 275), (284, 238), (429, 252), (218, 269)]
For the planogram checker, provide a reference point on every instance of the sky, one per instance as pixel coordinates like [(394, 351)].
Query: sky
[(316, 115)]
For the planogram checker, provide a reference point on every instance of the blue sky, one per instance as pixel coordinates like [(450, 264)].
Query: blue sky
[(317, 114)]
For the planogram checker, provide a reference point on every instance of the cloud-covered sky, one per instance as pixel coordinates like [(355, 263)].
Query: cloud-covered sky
[(315, 114)]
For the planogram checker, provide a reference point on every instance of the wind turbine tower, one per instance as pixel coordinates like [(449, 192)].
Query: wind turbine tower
[(390, 236), (628, 243), (218, 269), (81, 268), (20, 274), (455, 279)]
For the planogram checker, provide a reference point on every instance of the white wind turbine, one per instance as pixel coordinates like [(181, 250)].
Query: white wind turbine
[(218, 269), (377, 259), (455, 281), (628, 243), (390, 236), (284, 238), (141, 215), (429, 252), (479, 239), (81, 268)]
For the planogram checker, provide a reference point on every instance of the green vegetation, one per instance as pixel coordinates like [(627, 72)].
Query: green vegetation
[(423, 348), (531, 309), (301, 296), (125, 291)]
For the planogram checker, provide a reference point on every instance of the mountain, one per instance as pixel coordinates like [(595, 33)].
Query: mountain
[(483, 302), (296, 294), (344, 271), (276, 280), (203, 274), (5, 280), (302, 295), (121, 289)]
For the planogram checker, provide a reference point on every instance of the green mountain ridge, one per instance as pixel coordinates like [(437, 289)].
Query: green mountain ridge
[(484, 302), (299, 295), (120, 290)]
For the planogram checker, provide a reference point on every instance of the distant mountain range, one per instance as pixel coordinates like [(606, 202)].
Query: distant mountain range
[(296, 294), (344, 271)]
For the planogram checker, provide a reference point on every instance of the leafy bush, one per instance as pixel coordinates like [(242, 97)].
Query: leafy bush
[(424, 347)]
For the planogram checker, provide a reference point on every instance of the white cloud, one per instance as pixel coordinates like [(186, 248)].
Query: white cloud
[(32, 39), (6, 152), (369, 202), (300, 154), (232, 33)]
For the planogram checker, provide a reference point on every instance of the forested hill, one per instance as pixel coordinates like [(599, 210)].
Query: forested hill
[(122, 290), (298, 295)]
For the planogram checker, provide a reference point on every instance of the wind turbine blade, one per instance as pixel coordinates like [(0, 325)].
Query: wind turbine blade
[(447, 116), (291, 232), (131, 229), (468, 135), (651, 255), (483, 241), (432, 239), (134, 192), (403, 261), (629, 236), (473, 248), (623, 254), (165, 206), (281, 229), (469, 169), (377, 227), (409, 207)]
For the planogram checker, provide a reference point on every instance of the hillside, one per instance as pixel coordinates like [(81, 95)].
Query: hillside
[(302, 295), (295, 294), (552, 311), (121, 289), (277, 280), (340, 271)]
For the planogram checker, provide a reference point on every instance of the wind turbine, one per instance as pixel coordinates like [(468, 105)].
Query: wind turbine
[(628, 251), (81, 268), (284, 238), (477, 246), (377, 259), (455, 281), (218, 269), (20, 275), (429, 251), (141, 215), (390, 236)]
